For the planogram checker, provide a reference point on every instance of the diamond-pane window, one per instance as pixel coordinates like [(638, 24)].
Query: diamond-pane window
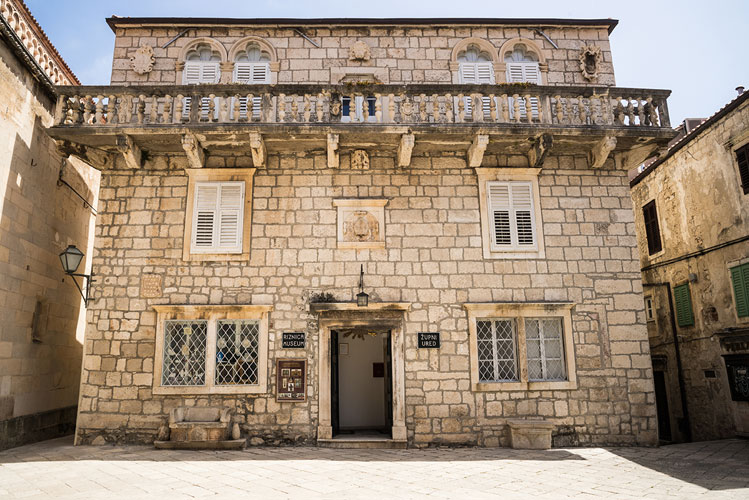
[(184, 353), (497, 355), (237, 344), (543, 341)]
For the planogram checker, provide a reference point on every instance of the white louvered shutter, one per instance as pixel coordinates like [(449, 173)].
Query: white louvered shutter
[(251, 73), (477, 74), (524, 72), (217, 218), (512, 216), (197, 72)]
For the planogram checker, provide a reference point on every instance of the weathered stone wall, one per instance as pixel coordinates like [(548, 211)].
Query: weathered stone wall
[(37, 220), (407, 55), (433, 259), (700, 204)]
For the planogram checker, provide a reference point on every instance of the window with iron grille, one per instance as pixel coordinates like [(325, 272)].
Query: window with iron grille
[(184, 353), (544, 348), (237, 352), (497, 350), (652, 230), (742, 159)]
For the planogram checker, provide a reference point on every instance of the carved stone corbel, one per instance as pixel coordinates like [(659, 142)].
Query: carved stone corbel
[(405, 148), (333, 157), (540, 148), (97, 158), (476, 150), (636, 156), (193, 149), (601, 151), (257, 146), (130, 151)]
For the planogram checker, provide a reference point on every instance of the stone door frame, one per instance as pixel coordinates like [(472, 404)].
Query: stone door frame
[(336, 316)]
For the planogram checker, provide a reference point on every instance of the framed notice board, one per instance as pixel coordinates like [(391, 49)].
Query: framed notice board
[(291, 380)]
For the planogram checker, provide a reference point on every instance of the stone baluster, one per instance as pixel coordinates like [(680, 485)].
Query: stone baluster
[(281, 107), (112, 117), (630, 111), (76, 109), (640, 112), (378, 108), (652, 113), (294, 108), (195, 105), (435, 108), (664, 119), (223, 112), (61, 109), (423, 108), (461, 108), (528, 109), (87, 109), (558, 109), (391, 108), (319, 108), (492, 108), (166, 113), (516, 107), (99, 113), (250, 113), (179, 107), (477, 109), (582, 113), (505, 108), (618, 111), (306, 108), (365, 108), (153, 115), (236, 107), (211, 107), (352, 108), (141, 109), (449, 117)]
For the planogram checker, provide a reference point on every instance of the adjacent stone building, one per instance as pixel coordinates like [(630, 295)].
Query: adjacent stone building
[(413, 231), (41, 315), (692, 219)]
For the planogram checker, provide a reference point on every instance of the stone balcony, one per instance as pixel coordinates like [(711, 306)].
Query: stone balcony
[(498, 119)]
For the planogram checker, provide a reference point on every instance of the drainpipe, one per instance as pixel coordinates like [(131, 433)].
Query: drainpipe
[(686, 428)]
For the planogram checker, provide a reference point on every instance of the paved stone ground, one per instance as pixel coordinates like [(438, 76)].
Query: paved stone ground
[(56, 469)]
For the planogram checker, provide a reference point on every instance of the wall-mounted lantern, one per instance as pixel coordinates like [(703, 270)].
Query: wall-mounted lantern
[(71, 258), (362, 299)]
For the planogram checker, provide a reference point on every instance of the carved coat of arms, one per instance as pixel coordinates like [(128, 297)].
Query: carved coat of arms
[(361, 226), (590, 61), (359, 51), (143, 59)]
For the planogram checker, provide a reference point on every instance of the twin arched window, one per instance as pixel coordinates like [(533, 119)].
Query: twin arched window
[(522, 65), (475, 66), (202, 65), (252, 65)]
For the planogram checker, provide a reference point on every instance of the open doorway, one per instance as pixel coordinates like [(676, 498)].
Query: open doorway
[(361, 383)]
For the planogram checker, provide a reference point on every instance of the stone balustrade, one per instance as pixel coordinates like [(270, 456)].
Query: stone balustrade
[(516, 104)]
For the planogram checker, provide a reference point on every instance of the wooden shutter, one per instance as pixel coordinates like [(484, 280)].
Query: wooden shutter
[(683, 299), (251, 74), (512, 215), (742, 158), (524, 72), (218, 217), (740, 281), (468, 73), (652, 230)]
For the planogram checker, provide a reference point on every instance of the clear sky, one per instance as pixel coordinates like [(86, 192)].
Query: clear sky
[(696, 48)]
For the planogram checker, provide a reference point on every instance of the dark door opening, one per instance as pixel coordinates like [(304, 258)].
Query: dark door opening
[(661, 404), (361, 383)]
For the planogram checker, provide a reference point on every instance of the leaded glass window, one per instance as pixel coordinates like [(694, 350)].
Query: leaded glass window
[(497, 353), (237, 352), (543, 341), (184, 353)]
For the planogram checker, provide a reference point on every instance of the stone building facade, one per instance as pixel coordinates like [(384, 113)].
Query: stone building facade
[(691, 215), (41, 315), (469, 176)]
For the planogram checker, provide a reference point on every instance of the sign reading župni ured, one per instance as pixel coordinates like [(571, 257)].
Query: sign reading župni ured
[(292, 340), (291, 380), (429, 340)]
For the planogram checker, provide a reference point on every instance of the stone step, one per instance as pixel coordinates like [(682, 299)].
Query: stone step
[(362, 443)]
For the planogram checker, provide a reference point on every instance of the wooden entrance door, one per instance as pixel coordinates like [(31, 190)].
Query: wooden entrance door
[(334, 399)]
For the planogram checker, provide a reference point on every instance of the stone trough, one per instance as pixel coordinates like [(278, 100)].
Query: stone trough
[(200, 428)]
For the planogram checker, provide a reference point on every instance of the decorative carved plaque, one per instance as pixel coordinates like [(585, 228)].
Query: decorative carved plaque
[(150, 286), (359, 51), (360, 160), (361, 223), (143, 59), (590, 61)]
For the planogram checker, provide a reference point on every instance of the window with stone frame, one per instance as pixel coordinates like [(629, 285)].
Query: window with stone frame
[(225, 351), (252, 67), (742, 162), (649, 308), (523, 67), (521, 346), (476, 67), (202, 66)]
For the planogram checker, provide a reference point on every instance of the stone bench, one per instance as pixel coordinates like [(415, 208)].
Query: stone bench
[(200, 428), (530, 434)]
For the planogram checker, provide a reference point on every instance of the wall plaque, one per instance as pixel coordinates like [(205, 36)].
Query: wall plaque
[(291, 380), (292, 340), (150, 286), (429, 340)]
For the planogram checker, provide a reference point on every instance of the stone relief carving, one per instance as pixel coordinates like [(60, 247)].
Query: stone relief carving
[(359, 51), (359, 160), (143, 59), (361, 225), (590, 61)]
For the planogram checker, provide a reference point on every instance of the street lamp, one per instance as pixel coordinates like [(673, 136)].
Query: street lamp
[(362, 299), (71, 258)]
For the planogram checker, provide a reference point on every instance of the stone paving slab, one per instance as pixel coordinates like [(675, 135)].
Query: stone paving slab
[(57, 469)]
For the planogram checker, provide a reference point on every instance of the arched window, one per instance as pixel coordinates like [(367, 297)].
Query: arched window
[(202, 65), (522, 65), (252, 65), (475, 66)]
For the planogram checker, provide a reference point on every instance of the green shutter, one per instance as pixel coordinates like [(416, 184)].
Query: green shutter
[(740, 279), (684, 316)]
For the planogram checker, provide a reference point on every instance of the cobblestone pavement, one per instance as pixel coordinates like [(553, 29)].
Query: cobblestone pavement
[(56, 469)]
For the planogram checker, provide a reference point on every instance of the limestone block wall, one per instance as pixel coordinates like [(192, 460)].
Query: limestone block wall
[(432, 259), (700, 204), (417, 54), (39, 367)]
